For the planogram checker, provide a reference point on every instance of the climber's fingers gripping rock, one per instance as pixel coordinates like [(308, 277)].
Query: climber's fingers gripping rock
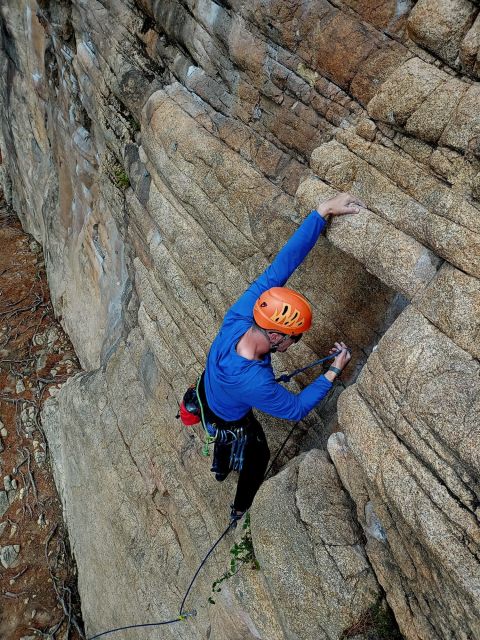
[(341, 205)]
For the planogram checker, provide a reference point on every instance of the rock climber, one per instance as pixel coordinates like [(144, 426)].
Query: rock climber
[(238, 376)]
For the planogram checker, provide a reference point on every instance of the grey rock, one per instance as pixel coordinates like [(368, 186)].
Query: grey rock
[(40, 457), (162, 186), (19, 387), (4, 504), (414, 456), (374, 527), (41, 361), (309, 549), (9, 556)]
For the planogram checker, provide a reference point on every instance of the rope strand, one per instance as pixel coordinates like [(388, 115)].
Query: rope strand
[(201, 565), (286, 377)]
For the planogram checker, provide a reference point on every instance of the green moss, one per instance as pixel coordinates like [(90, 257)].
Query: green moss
[(135, 125)]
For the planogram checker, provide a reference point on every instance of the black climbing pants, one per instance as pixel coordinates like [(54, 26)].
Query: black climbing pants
[(254, 466), (256, 456)]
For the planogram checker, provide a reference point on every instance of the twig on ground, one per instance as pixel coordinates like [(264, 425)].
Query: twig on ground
[(32, 479), (10, 594), (61, 589), (25, 569)]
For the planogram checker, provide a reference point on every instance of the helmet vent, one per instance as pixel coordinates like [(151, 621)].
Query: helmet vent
[(282, 309)]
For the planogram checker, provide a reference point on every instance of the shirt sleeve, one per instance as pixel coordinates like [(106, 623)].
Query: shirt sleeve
[(270, 397), (287, 260)]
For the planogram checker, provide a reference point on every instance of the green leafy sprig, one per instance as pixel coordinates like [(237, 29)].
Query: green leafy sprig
[(241, 553)]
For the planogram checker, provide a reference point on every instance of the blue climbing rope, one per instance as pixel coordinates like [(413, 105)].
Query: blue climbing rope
[(148, 624), (286, 377), (181, 616)]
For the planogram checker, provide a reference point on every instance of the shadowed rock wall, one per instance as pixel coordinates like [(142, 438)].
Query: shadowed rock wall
[(162, 153)]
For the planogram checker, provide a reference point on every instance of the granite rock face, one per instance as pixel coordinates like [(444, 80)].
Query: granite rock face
[(162, 152), (314, 554), (409, 454)]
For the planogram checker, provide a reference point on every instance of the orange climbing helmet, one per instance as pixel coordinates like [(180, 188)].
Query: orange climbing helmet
[(283, 310)]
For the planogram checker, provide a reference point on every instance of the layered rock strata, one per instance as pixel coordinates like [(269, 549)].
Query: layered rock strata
[(162, 153)]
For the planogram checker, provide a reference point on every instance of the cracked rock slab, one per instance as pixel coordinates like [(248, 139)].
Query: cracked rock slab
[(4, 503), (310, 550), (410, 451), (394, 257)]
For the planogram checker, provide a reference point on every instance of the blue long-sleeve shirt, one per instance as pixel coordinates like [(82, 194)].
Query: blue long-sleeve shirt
[(234, 384)]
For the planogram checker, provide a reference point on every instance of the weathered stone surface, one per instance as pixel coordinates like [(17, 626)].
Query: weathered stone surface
[(470, 48), (394, 257), (440, 25), (443, 230), (430, 104), (413, 441), (9, 555), (4, 504), (310, 550), (452, 303)]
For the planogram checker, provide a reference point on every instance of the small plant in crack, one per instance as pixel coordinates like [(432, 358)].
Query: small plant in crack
[(133, 124), (241, 553), (376, 623), (120, 178)]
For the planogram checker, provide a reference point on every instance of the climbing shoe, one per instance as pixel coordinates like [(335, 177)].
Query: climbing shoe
[(235, 516)]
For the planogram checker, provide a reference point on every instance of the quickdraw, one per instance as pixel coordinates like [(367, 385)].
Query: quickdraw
[(210, 430)]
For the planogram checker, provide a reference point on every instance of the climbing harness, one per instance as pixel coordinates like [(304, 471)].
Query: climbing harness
[(192, 412), (233, 435)]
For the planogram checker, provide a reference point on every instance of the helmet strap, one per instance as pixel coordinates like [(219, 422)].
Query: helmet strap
[(274, 347)]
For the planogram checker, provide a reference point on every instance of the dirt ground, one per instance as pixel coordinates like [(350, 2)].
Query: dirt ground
[(38, 595)]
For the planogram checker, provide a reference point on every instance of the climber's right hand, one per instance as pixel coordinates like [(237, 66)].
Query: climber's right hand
[(343, 357)]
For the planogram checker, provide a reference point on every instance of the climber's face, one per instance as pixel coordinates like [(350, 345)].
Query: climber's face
[(280, 341)]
